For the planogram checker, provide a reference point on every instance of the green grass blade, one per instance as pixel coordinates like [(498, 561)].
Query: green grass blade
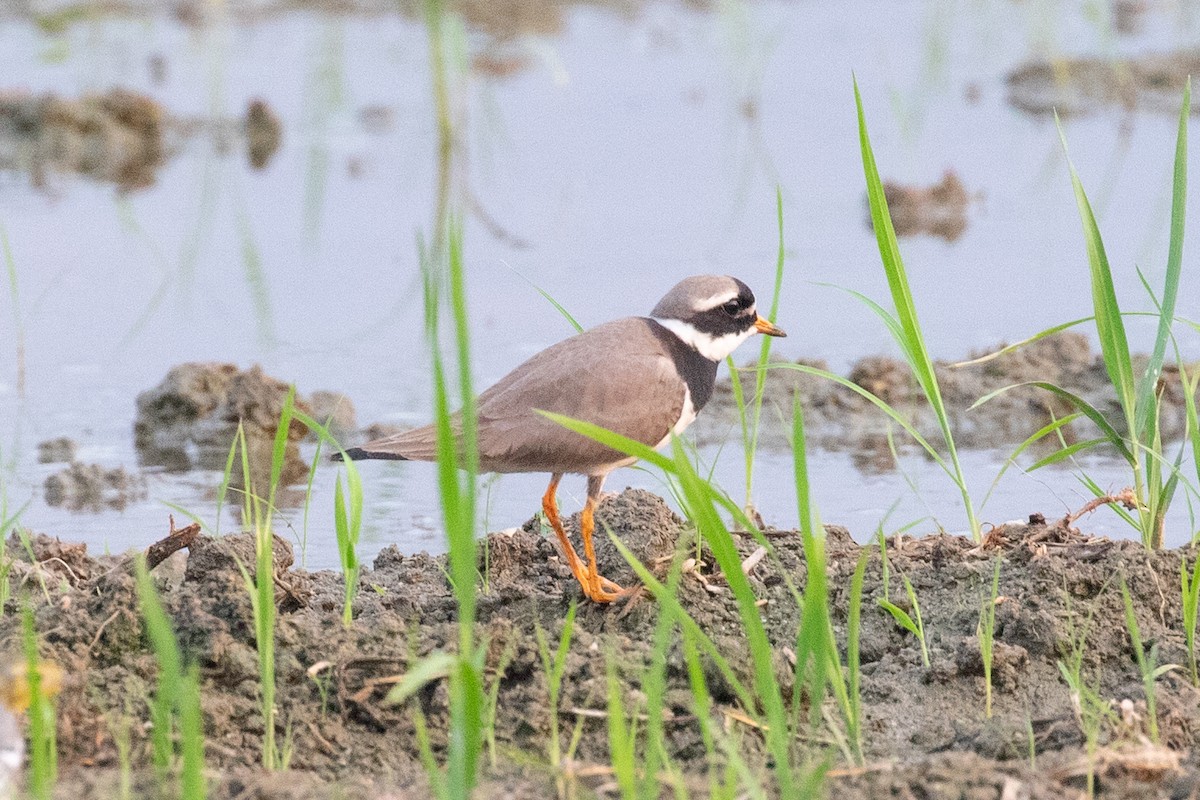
[(192, 784), (43, 747), (882, 405), (1174, 262), (1064, 453), (163, 641), (899, 614), (1110, 328), (906, 311)]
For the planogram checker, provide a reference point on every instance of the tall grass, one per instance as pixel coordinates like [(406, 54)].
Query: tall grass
[(10, 265), (904, 326), (750, 418), (170, 669), (258, 513), (819, 668), (1135, 435), (553, 666), (1147, 661), (1190, 595), (348, 526), (347, 511), (457, 467)]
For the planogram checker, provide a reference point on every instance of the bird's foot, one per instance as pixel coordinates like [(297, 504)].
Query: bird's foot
[(600, 589)]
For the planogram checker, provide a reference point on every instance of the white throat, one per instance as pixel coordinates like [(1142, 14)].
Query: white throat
[(714, 348)]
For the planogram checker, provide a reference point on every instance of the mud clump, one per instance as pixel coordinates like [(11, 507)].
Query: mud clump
[(1076, 86), (57, 451), (926, 725), (91, 487), (938, 210), (115, 136), (839, 419), (263, 132), (191, 418)]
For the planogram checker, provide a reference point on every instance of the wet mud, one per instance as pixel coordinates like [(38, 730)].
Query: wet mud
[(925, 732), (118, 137), (839, 419), (1076, 86), (189, 420), (92, 487), (937, 210)]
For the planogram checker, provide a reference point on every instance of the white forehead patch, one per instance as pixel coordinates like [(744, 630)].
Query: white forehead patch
[(718, 299)]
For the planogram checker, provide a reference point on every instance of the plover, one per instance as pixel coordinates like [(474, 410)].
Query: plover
[(645, 378)]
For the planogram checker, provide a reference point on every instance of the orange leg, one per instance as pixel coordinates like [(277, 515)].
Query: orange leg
[(550, 509), (600, 589)]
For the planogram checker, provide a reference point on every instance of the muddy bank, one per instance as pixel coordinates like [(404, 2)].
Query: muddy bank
[(925, 731), (939, 209), (190, 419), (839, 419), (1151, 82), (119, 137)]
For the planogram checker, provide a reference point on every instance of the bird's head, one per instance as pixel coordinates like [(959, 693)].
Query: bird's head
[(713, 314)]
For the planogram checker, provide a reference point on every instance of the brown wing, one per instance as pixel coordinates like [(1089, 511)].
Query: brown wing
[(619, 376)]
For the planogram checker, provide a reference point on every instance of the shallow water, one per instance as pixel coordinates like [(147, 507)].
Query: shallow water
[(635, 148)]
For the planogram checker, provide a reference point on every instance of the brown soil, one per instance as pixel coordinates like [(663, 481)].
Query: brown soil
[(839, 419), (925, 732), (937, 210), (1070, 86), (119, 136)]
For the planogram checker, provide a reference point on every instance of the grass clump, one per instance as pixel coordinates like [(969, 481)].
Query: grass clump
[(553, 665), (1147, 661), (457, 467), (1190, 586), (1135, 433), (258, 514), (819, 666), (905, 328)]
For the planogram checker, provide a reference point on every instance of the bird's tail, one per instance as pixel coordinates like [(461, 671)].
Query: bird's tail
[(416, 444), (362, 454)]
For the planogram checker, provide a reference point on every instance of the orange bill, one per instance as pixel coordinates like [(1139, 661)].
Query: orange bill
[(764, 325)]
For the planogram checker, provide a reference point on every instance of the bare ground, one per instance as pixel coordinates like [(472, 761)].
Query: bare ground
[(925, 732)]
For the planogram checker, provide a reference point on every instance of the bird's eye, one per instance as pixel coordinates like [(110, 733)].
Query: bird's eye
[(732, 308)]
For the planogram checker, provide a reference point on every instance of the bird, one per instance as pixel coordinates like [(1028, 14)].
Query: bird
[(645, 378)]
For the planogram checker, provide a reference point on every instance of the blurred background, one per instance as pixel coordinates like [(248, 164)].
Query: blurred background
[(245, 182)]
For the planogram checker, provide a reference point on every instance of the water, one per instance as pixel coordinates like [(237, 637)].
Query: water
[(635, 148)]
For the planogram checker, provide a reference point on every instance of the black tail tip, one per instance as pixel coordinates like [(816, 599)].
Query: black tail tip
[(359, 454), (353, 453)]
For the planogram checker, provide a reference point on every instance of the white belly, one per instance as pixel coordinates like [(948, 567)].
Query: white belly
[(686, 417)]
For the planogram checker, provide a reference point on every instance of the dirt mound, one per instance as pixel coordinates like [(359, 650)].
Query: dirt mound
[(937, 210), (924, 727), (190, 419), (91, 487), (115, 136)]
